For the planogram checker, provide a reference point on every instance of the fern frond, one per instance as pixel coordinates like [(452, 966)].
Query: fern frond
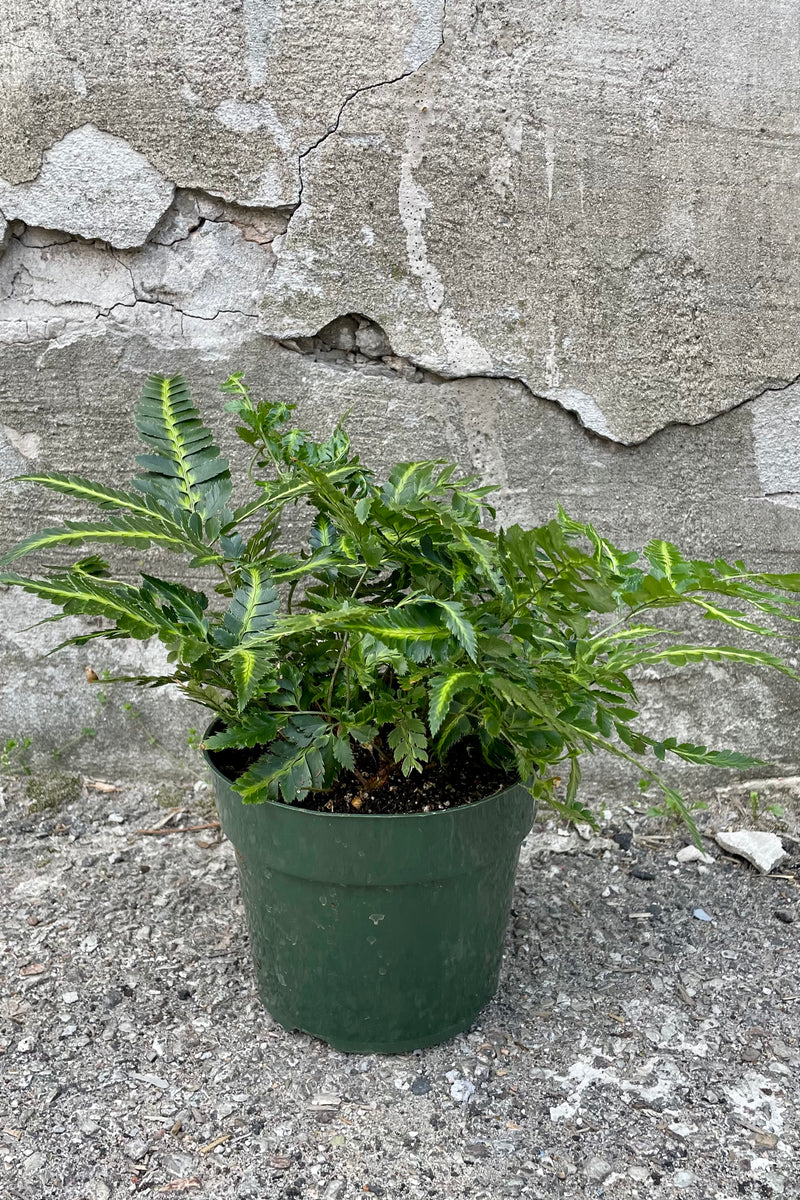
[(137, 532), (87, 596), (254, 604), (679, 656), (442, 690), (186, 471)]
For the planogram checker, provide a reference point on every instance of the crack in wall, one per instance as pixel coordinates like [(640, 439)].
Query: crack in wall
[(369, 87), (352, 341), (356, 343)]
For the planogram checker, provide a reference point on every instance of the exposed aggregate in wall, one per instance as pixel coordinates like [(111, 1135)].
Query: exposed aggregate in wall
[(556, 241)]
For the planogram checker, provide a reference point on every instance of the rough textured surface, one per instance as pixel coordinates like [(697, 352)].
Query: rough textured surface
[(630, 1047), (527, 236)]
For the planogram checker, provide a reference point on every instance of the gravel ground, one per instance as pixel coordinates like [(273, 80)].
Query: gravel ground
[(634, 1049)]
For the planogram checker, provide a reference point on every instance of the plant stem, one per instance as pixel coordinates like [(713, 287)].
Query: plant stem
[(345, 642)]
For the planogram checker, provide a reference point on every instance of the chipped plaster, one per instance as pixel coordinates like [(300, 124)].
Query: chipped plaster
[(91, 184)]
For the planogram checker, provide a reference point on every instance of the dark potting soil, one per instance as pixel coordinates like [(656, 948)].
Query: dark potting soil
[(463, 778)]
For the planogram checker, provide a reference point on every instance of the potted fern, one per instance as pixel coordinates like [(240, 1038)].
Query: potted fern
[(390, 699)]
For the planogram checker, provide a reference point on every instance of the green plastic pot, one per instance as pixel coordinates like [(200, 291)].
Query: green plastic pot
[(378, 934)]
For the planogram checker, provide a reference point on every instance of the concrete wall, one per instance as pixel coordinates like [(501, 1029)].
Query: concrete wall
[(563, 235)]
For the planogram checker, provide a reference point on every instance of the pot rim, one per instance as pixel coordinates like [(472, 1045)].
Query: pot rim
[(308, 812)]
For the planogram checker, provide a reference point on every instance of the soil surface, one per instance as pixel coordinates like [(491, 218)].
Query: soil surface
[(634, 1050), (463, 778)]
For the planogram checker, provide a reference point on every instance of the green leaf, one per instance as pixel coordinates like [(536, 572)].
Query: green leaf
[(79, 488), (462, 630), (289, 769), (254, 605), (249, 668), (669, 563), (84, 595), (186, 471), (712, 758), (343, 753), (182, 604), (409, 742), (253, 728), (442, 689), (136, 532), (681, 655), (713, 612)]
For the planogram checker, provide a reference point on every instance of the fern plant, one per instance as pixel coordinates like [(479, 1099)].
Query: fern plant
[(404, 624)]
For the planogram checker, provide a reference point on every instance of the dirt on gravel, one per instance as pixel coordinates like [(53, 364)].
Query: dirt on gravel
[(635, 1049)]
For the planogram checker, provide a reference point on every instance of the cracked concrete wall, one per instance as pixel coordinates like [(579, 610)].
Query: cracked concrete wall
[(556, 241)]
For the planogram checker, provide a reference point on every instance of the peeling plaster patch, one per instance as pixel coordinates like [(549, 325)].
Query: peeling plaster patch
[(464, 353), (92, 184), (191, 209), (198, 291), (585, 407), (213, 271), (261, 20), (427, 34), (776, 438), (61, 277), (29, 445)]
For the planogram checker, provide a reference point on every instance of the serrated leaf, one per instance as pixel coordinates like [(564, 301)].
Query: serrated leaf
[(137, 532), (249, 668), (462, 629), (86, 596), (254, 605), (252, 729), (286, 771), (187, 470), (680, 655), (343, 753), (409, 742), (442, 689)]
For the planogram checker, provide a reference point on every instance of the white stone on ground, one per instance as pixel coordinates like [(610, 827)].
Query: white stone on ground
[(764, 850), (691, 853)]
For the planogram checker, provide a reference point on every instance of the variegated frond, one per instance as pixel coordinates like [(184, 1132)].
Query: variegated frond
[(186, 470)]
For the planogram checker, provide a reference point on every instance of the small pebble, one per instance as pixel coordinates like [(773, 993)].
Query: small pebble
[(476, 1150), (640, 873), (701, 915), (421, 1086), (597, 1169), (785, 915), (462, 1091), (692, 853)]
